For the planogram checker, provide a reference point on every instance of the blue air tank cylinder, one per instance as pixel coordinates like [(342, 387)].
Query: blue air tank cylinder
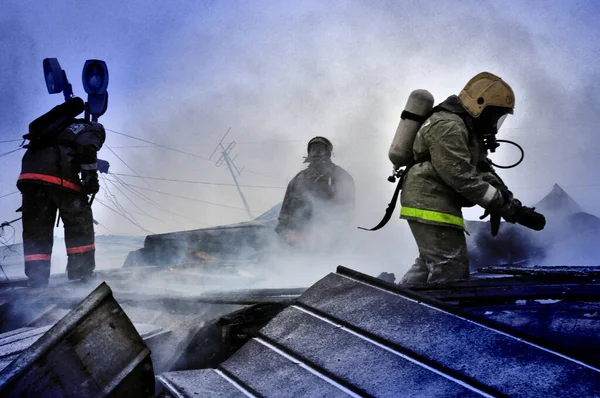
[(417, 109)]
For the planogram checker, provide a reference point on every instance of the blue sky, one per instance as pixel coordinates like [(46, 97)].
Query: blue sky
[(278, 73)]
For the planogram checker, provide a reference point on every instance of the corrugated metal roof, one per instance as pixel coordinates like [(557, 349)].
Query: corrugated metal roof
[(350, 334)]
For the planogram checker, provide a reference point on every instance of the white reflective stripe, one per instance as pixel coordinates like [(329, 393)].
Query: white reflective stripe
[(489, 195), (90, 166), (76, 127)]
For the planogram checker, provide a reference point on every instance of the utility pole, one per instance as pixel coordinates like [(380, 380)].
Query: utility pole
[(225, 158)]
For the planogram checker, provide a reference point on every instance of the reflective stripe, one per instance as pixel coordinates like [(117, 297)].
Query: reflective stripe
[(38, 257), (50, 179), (430, 215), (89, 166), (489, 195), (80, 249)]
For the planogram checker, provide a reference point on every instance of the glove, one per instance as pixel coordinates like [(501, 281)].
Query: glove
[(506, 193), (494, 221), (89, 179), (528, 217), (514, 212), (103, 166), (510, 209)]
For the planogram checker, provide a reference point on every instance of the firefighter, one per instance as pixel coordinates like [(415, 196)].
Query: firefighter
[(319, 200), (452, 171), (61, 147)]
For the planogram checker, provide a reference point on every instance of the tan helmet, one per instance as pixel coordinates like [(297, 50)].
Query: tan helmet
[(486, 89)]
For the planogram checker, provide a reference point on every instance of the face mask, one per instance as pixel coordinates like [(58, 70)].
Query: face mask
[(318, 152), (487, 125)]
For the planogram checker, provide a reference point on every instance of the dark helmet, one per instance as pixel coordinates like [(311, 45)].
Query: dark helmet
[(321, 140)]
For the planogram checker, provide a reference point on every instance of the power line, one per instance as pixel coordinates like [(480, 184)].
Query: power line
[(9, 152), (153, 203), (160, 145), (122, 215), (182, 152), (185, 197), (113, 199), (118, 157), (260, 174), (5, 141), (198, 182), (131, 201), (263, 142), (8, 194), (146, 199), (106, 228)]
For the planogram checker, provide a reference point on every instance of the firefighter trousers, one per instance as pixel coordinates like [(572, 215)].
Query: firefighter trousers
[(442, 254), (40, 206)]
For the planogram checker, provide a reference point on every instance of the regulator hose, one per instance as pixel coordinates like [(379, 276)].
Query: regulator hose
[(512, 165)]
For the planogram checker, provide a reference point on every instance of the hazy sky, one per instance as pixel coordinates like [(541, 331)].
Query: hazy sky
[(279, 73)]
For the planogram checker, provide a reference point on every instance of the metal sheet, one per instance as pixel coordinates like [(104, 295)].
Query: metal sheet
[(199, 383), (93, 351), (482, 355), (338, 350), (270, 374)]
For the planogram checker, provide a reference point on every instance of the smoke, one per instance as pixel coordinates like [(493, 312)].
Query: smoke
[(281, 73), (569, 238)]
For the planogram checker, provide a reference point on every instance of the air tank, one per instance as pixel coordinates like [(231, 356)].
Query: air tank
[(417, 109)]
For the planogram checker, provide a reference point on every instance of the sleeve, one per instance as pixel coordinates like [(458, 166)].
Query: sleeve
[(451, 159), (490, 176), (346, 190), (290, 203), (88, 143)]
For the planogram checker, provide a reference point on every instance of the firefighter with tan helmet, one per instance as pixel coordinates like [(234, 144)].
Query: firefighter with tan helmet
[(319, 201), (450, 170)]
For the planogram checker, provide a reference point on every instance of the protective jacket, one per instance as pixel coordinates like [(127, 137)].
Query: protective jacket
[(50, 183), (59, 160), (452, 170), (314, 191)]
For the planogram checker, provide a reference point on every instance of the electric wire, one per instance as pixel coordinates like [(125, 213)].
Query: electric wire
[(9, 152), (8, 194), (224, 143), (113, 199), (122, 215), (125, 163), (146, 199), (260, 174), (184, 152), (161, 145), (188, 198), (106, 228), (6, 141), (198, 182), (131, 201), (7, 243)]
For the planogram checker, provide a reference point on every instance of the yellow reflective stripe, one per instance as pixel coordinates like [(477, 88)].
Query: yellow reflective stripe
[(430, 215)]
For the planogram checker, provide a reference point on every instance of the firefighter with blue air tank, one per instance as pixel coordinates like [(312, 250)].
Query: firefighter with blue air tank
[(59, 170)]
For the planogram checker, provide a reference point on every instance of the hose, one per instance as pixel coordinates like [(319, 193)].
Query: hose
[(515, 164)]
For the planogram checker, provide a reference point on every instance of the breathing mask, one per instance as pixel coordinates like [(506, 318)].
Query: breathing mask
[(487, 125)]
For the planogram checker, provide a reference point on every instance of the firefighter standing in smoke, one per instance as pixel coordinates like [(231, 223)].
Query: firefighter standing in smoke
[(318, 200), (452, 171), (60, 148)]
